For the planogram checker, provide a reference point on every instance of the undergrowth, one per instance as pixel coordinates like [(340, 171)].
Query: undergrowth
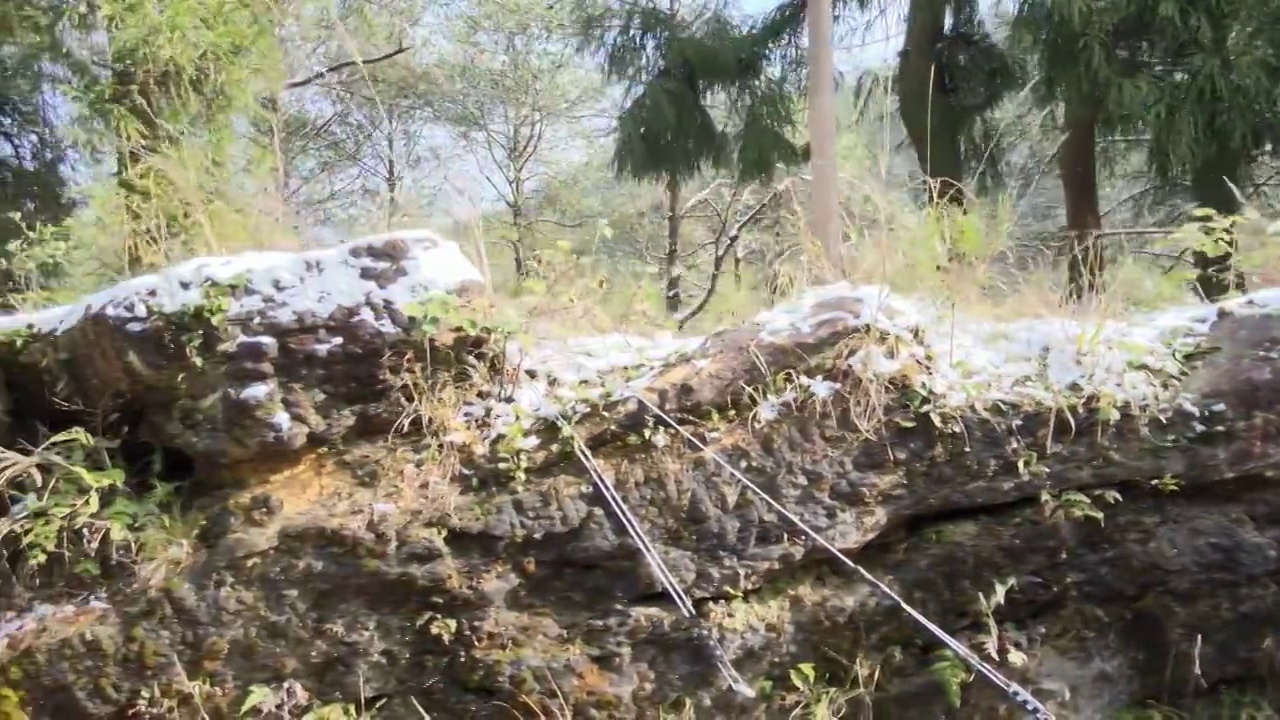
[(73, 509)]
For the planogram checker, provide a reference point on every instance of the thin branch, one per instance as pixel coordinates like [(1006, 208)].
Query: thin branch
[(717, 263), (1131, 231), (700, 197), (1119, 231), (339, 67), (717, 268), (561, 223), (1179, 257), (1130, 198)]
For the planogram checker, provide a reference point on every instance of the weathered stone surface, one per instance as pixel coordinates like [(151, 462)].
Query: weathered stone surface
[(236, 358), (481, 572)]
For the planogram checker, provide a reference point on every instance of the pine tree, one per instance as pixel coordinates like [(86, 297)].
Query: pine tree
[(673, 66), (1214, 94)]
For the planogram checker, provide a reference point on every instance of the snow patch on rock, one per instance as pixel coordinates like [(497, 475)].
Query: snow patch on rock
[(592, 359), (278, 286), (958, 360), (256, 392), (968, 362)]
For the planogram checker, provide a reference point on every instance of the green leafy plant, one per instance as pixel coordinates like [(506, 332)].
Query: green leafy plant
[(814, 697), (439, 311), (952, 673), (72, 504), (1075, 504), (997, 637)]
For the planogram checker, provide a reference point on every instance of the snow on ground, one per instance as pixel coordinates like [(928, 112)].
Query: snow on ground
[(967, 360), (593, 357), (1035, 360), (1132, 361), (584, 370), (279, 284)]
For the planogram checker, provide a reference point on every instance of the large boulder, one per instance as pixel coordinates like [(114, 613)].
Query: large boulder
[(1089, 505), (229, 359)]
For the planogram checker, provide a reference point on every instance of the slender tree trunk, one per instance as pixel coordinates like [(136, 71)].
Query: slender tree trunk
[(1217, 273), (272, 106), (518, 245), (393, 178), (671, 258), (1077, 164), (824, 188), (932, 121), (393, 198)]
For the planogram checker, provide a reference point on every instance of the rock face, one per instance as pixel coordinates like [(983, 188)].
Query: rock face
[(233, 358), (1090, 506)]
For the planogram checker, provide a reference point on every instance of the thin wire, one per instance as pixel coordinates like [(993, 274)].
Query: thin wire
[(668, 581), (632, 525), (1017, 693)]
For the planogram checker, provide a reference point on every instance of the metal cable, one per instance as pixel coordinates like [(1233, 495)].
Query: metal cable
[(1034, 708), (668, 581)]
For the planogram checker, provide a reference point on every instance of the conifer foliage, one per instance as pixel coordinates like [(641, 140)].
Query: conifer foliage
[(675, 64)]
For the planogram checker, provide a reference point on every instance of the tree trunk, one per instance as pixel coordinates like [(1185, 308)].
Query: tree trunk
[(671, 258), (932, 121), (272, 105), (737, 267), (1216, 270), (1077, 164), (393, 178), (518, 226), (824, 190), (393, 197)]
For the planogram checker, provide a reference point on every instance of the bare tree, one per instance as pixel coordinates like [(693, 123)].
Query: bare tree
[(510, 86), (365, 139), (737, 209), (350, 133)]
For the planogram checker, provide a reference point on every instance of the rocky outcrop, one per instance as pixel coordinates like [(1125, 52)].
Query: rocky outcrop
[(1088, 505), (235, 358)]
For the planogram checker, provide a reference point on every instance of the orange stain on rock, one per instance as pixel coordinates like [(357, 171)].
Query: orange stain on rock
[(299, 482)]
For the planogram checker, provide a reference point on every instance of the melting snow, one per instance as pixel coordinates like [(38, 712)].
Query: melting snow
[(279, 284), (971, 360), (282, 421), (256, 392), (322, 347), (968, 361), (585, 370), (821, 389), (267, 342), (593, 358)]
